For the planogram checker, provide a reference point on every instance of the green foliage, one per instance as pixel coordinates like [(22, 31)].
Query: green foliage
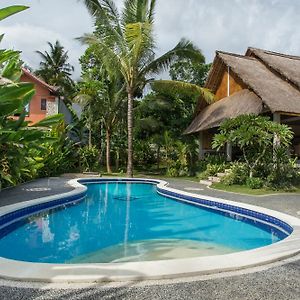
[(126, 44), (189, 71), (266, 163), (144, 153), (24, 150), (254, 136), (238, 174), (210, 165), (254, 183), (211, 170), (89, 158), (283, 173), (58, 155), (11, 10), (55, 69)]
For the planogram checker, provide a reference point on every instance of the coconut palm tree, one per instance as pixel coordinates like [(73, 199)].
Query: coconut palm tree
[(55, 69), (126, 43)]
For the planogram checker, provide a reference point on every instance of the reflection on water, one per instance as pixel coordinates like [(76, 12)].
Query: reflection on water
[(123, 222)]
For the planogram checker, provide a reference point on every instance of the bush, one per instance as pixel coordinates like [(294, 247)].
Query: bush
[(211, 165), (211, 170), (238, 174), (89, 158), (254, 183)]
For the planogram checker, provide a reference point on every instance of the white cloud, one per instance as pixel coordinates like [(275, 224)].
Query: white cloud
[(30, 38), (230, 25)]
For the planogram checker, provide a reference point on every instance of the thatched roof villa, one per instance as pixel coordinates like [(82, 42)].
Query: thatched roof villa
[(259, 82)]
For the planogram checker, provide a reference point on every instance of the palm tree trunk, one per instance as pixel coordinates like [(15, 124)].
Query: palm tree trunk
[(130, 135), (117, 159), (90, 137), (108, 168), (158, 157)]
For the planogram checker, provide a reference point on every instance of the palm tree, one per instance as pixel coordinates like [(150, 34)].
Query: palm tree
[(102, 99), (55, 69), (126, 43)]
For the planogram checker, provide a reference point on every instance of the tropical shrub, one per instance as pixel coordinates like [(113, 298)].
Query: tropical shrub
[(60, 155), (21, 146), (211, 165), (254, 183), (238, 174), (89, 158), (264, 161), (254, 136)]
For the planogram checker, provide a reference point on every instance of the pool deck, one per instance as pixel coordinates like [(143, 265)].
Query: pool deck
[(276, 281)]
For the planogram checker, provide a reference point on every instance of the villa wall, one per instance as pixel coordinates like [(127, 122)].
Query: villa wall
[(36, 114), (235, 85)]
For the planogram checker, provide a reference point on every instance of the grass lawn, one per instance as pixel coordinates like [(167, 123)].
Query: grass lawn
[(241, 189)]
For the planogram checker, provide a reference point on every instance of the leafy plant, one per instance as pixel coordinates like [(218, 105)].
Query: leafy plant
[(254, 136), (254, 183), (88, 158), (238, 174)]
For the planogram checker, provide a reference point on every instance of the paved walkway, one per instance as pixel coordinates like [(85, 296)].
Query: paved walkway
[(275, 283)]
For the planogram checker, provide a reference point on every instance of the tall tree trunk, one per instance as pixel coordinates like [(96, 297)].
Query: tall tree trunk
[(117, 159), (90, 137), (108, 168), (130, 134), (90, 126), (158, 157)]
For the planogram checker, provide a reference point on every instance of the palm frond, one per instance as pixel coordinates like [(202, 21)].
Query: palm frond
[(105, 13), (11, 10), (184, 49), (183, 89), (139, 39), (151, 11), (129, 12), (110, 58)]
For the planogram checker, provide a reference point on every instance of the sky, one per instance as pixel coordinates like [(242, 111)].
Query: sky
[(228, 25)]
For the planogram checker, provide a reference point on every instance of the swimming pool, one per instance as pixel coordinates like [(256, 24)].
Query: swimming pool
[(129, 224), (124, 221)]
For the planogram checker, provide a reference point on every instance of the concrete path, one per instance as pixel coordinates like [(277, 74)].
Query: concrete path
[(275, 282)]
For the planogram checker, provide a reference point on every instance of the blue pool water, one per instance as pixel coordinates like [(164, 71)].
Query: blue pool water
[(130, 222)]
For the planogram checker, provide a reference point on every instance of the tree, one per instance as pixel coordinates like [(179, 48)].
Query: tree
[(102, 94), (254, 136), (189, 71), (55, 69), (126, 44)]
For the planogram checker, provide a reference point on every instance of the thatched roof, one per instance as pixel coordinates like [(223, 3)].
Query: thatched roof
[(243, 102), (276, 93), (288, 66), (273, 77)]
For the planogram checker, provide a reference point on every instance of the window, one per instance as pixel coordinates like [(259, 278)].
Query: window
[(43, 104)]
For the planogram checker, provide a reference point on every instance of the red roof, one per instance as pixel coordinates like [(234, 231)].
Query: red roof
[(51, 88)]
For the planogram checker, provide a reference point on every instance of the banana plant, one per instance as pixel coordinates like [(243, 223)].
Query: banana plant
[(17, 138)]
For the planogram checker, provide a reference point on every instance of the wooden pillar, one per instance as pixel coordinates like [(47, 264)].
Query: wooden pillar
[(201, 146), (228, 152)]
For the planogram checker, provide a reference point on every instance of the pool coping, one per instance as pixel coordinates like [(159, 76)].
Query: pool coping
[(130, 271)]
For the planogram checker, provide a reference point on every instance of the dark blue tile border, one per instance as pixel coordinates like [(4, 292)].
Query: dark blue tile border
[(22, 213), (230, 208), (36, 208)]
